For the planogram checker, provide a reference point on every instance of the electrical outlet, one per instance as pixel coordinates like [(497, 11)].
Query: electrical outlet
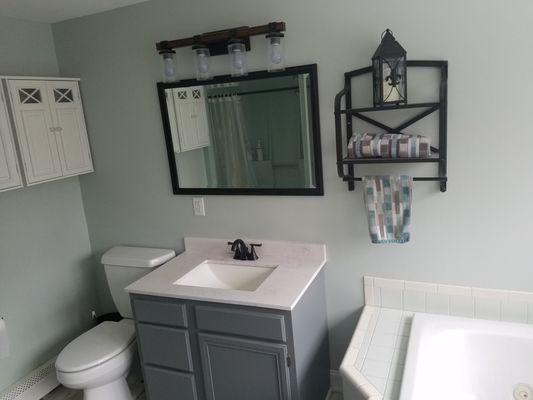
[(198, 206)]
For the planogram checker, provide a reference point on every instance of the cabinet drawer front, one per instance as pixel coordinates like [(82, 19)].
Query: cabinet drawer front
[(239, 322), (165, 347), (162, 384), (160, 312)]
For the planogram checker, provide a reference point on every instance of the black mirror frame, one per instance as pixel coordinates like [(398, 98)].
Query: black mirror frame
[(310, 69)]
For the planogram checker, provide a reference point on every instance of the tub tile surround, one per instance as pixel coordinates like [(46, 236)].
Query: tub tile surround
[(375, 358)]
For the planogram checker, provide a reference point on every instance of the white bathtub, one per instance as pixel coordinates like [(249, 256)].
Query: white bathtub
[(468, 359)]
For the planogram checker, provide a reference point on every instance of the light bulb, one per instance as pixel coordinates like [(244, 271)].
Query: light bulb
[(203, 64), (276, 57), (170, 70)]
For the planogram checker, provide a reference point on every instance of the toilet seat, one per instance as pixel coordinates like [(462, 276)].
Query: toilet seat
[(96, 346)]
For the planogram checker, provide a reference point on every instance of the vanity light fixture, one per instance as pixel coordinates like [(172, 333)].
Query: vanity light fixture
[(235, 41), (275, 51), (170, 68), (202, 60), (237, 55), (389, 72)]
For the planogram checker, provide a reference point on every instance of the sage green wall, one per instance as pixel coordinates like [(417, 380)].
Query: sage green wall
[(46, 277), (476, 234)]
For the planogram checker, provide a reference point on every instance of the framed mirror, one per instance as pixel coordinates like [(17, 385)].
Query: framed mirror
[(257, 134)]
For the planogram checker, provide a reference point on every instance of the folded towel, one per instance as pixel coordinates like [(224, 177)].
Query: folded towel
[(388, 145), (388, 204)]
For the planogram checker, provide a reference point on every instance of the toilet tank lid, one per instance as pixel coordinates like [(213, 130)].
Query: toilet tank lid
[(141, 257)]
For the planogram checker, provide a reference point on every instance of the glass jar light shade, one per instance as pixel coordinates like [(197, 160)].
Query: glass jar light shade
[(237, 55), (170, 68), (202, 61), (275, 52)]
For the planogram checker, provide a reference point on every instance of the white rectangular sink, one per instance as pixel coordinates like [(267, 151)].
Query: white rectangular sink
[(226, 275)]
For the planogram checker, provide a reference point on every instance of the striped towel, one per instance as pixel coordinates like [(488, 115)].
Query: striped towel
[(388, 204), (388, 145)]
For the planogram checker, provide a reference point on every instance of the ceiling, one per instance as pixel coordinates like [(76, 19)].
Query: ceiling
[(58, 10)]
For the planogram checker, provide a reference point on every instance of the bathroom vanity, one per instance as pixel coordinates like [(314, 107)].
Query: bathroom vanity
[(210, 327)]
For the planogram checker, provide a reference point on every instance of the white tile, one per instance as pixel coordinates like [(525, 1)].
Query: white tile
[(421, 286), (489, 293), (368, 287), (462, 306), (392, 392), (399, 356), (452, 290), (414, 301), (487, 308), (438, 303), (384, 339), (523, 297), (391, 298), (378, 383), (391, 315), (380, 353), (402, 342), (396, 372), (405, 329), (387, 327), (513, 311), (389, 283), (379, 369)]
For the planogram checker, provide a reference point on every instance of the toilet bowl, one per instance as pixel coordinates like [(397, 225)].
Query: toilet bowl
[(99, 360)]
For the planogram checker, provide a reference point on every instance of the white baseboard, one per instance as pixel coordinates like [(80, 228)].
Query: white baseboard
[(35, 385)]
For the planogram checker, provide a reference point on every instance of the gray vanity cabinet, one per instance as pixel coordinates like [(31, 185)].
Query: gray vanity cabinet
[(193, 350)]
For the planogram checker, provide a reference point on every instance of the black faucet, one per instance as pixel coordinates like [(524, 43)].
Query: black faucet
[(241, 250)]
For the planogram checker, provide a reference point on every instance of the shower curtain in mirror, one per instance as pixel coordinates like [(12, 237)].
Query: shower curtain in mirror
[(230, 142)]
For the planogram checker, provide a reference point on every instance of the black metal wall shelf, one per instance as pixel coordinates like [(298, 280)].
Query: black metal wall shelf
[(430, 107)]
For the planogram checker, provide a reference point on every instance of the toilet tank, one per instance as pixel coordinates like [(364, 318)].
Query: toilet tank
[(124, 265)]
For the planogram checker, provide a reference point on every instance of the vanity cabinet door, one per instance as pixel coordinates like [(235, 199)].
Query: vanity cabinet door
[(71, 135), (35, 130), (236, 368), (9, 172)]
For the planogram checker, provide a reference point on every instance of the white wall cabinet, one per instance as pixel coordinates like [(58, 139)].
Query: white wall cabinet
[(9, 171), (190, 113), (50, 128)]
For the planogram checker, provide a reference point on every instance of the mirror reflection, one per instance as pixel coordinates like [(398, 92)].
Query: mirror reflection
[(246, 134)]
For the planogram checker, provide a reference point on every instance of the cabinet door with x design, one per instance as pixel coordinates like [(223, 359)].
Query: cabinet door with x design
[(50, 128)]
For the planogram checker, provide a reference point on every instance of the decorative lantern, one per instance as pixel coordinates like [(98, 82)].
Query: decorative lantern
[(202, 57), (389, 72), (170, 68)]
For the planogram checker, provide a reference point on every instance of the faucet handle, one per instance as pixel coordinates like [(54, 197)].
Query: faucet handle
[(252, 255)]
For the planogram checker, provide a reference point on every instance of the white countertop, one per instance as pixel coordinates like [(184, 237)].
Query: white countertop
[(297, 266)]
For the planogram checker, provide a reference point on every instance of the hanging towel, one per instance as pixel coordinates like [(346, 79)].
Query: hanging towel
[(388, 205)]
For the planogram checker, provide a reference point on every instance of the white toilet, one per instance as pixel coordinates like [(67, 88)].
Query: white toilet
[(99, 360)]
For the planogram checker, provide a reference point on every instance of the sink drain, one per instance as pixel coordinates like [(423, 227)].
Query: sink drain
[(523, 392)]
